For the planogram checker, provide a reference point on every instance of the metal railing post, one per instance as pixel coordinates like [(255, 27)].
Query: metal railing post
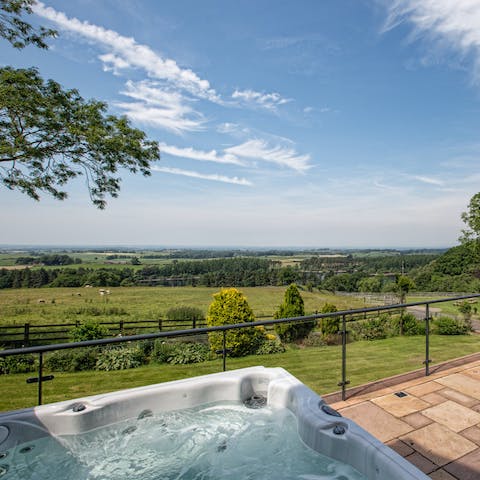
[(40, 375), (427, 340), (344, 381), (224, 351)]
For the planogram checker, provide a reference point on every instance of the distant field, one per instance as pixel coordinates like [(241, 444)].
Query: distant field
[(65, 305)]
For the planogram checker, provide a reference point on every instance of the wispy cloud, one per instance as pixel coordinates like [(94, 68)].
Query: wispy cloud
[(159, 107), (280, 155), (428, 180), (125, 52), (269, 101), (204, 176), (228, 127), (450, 24), (211, 156)]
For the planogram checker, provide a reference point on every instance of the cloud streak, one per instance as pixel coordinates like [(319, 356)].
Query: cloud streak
[(162, 108), (269, 101), (125, 52), (210, 156), (260, 150), (428, 180), (454, 24), (212, 177)]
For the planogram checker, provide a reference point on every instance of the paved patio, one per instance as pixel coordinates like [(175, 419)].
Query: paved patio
[(434, 422)]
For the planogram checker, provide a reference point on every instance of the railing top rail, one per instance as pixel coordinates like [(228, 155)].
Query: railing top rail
[(221, 328)]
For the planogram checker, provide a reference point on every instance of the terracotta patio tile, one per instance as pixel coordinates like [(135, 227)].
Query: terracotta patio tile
[(441, 475), (467, 467), (417, 420), (424, 388), (400, 447), (458, 397), (473, 372), (472, 433), (463, 383), (433, 398), (377, 421), (422, 463), (400, 406), (439, 444), (412, 383), (453, 415)]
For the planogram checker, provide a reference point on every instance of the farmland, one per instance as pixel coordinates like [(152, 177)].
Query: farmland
[(64, 305)]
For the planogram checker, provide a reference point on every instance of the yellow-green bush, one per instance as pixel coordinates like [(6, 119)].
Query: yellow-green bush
[(230, 307)]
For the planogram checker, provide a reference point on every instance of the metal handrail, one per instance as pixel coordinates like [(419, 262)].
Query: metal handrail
[(344, 314)]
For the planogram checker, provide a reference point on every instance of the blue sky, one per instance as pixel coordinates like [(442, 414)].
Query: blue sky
[(333, 123)]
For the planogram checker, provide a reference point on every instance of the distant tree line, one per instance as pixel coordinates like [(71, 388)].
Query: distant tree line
[(227, 253), (368, 264), (219, 272), (456, 270), (48, 259)]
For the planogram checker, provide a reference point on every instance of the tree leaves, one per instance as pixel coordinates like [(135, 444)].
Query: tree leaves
[(18, 32), (49, 136)]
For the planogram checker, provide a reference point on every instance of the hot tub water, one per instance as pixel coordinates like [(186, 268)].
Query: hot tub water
[(222, 441)]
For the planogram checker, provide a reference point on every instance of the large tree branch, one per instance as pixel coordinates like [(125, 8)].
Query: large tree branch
[(51, 135)]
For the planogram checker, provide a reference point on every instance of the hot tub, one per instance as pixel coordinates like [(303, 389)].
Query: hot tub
[(122, 434)]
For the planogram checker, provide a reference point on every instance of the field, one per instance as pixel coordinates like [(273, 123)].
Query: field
[(65, 305), (318, 367)]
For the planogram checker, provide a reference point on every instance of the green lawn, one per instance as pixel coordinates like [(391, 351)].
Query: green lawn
[(319, 368)]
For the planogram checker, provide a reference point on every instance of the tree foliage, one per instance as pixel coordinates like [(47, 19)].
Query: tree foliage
[(329, 325), (18, 32), (292, 306), (229, 307), (49, 136), (89, 330), (472, 220), (403, 285)]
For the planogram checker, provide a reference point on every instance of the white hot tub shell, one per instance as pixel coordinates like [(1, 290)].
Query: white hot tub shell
[(320, 427)]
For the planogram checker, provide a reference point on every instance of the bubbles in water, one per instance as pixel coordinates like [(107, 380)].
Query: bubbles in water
[(225, 441)]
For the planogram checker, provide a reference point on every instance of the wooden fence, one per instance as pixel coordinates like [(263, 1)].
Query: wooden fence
[(28, 334)]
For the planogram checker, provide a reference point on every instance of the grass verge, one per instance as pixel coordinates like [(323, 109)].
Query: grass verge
[(317, 367)]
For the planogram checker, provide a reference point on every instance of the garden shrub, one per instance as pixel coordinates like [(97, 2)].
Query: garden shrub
[(228, 308), (120, 358), (450, 326), (330, 326), (315, 339), (146, 346), (376, 328), (18, 364), (270, 346), (88, 331), (180, 352), (411, 326), (292, 306), (74, 360), (466, 309), (184, 353), (162, 351)]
